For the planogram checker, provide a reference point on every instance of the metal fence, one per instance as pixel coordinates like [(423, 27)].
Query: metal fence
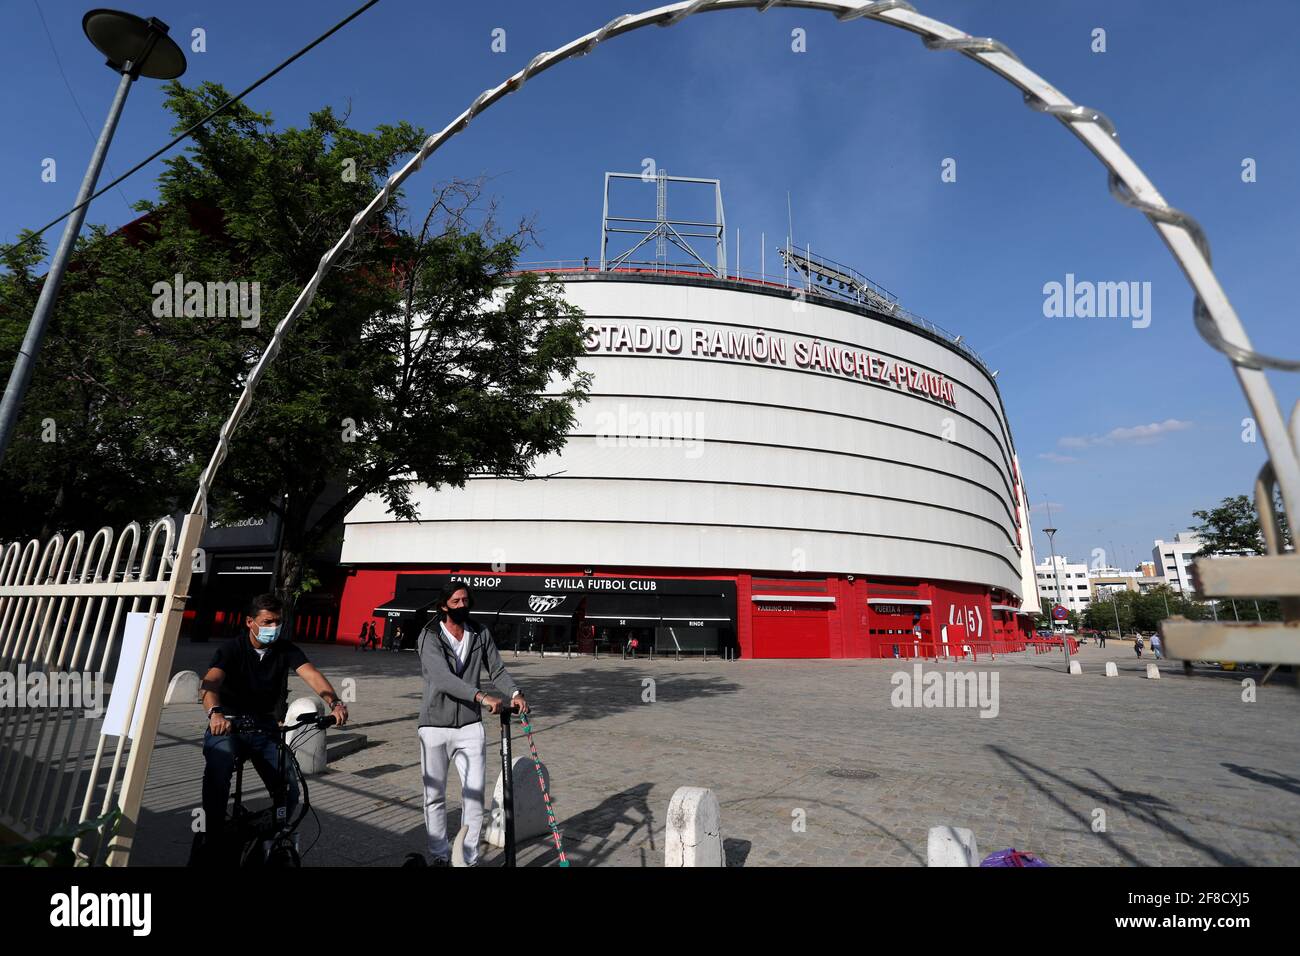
[(88, 629)]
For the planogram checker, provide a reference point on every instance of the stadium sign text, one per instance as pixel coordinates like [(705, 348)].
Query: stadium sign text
[(771, 349)]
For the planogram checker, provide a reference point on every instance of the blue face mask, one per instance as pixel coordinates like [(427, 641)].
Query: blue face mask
[(267, 635)]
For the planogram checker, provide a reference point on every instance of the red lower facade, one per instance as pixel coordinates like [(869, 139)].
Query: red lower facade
[(770, 616)]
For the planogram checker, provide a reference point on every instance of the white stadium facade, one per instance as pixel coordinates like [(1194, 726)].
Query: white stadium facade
[(765, 468)]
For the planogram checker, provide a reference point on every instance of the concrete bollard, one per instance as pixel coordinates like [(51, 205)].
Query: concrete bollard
[(694, 831), (530, 808), (185, 688), (951, 846), (1112, 669), (1076, 667), (311, 752), (1153, 672)]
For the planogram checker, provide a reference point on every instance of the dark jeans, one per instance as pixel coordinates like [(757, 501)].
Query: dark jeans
[(220, 755)]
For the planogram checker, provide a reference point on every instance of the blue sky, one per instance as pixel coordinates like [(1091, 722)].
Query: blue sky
[(856, 129)]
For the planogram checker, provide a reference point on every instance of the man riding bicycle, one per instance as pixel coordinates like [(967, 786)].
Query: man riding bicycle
[(249, 677)]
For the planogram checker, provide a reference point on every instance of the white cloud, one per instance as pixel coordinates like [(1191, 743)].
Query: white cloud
[(1137, 435)]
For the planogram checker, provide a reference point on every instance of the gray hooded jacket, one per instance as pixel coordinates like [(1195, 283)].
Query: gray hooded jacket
[(448, 699)]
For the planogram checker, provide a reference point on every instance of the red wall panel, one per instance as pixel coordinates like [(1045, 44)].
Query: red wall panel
[(745, 615), (842, 629), (791, 633), (364, 591), (961, 612)]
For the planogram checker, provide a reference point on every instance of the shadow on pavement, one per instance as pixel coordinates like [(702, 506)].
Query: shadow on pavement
[(592, 692), (1145, 807), (630, 808), (1269, 777)]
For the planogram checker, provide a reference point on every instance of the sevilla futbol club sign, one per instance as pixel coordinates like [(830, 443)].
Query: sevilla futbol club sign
[(1059, 613)]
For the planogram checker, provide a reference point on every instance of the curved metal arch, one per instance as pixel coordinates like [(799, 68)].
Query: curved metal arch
[(162, 531), (66, 574), (96, 558), (119, 569), (20, 572), (38, 612), (1214, 316)]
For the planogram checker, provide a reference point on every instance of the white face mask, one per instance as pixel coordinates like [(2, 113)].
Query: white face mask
[(267, 635)]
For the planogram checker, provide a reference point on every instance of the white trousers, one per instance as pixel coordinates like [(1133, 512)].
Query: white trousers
[(467, 747)]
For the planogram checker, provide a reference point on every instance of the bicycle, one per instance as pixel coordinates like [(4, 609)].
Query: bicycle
[(266, 837)]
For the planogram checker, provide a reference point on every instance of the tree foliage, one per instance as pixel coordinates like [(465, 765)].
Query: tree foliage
[(1233, 527), (417, 363), (1142, 611)]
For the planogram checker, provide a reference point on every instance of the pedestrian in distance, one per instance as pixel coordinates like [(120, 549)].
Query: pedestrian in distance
[(1137, 644), (1157, 646), (1101, 638)]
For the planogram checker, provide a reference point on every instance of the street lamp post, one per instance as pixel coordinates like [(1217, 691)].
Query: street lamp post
[(1056, 571), (135, 47)]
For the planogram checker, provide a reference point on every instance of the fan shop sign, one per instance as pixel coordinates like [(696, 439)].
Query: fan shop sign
[(767, 348), (491, 582)]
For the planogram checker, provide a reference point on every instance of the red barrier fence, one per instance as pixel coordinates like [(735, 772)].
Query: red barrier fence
[(935, 650)]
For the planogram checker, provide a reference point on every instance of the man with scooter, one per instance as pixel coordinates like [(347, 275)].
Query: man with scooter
[(453, 652)]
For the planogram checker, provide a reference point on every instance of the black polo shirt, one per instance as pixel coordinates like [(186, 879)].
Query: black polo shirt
[(256, 687)]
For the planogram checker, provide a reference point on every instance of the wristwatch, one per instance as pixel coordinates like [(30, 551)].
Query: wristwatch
[(216, 710)]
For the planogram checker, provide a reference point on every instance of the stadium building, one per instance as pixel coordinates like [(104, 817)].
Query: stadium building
[(771, 466)]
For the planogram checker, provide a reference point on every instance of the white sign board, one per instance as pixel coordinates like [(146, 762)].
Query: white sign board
[(135, 639)]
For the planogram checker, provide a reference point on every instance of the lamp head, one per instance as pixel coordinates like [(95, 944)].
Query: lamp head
[(125, 38)]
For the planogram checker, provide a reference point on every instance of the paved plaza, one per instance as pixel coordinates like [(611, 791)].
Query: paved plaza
[(813, 765)]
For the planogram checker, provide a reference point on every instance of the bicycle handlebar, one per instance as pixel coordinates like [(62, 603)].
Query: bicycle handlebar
[(243, 724)]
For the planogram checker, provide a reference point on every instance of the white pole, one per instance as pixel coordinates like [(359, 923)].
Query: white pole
[(789, 235)]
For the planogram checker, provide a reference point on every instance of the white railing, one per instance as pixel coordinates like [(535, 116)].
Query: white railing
[(80, 620)]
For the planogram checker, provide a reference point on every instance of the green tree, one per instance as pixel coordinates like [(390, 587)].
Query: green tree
[(419, 362), (1101, 614), (1233, 527), (1142, 611)]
